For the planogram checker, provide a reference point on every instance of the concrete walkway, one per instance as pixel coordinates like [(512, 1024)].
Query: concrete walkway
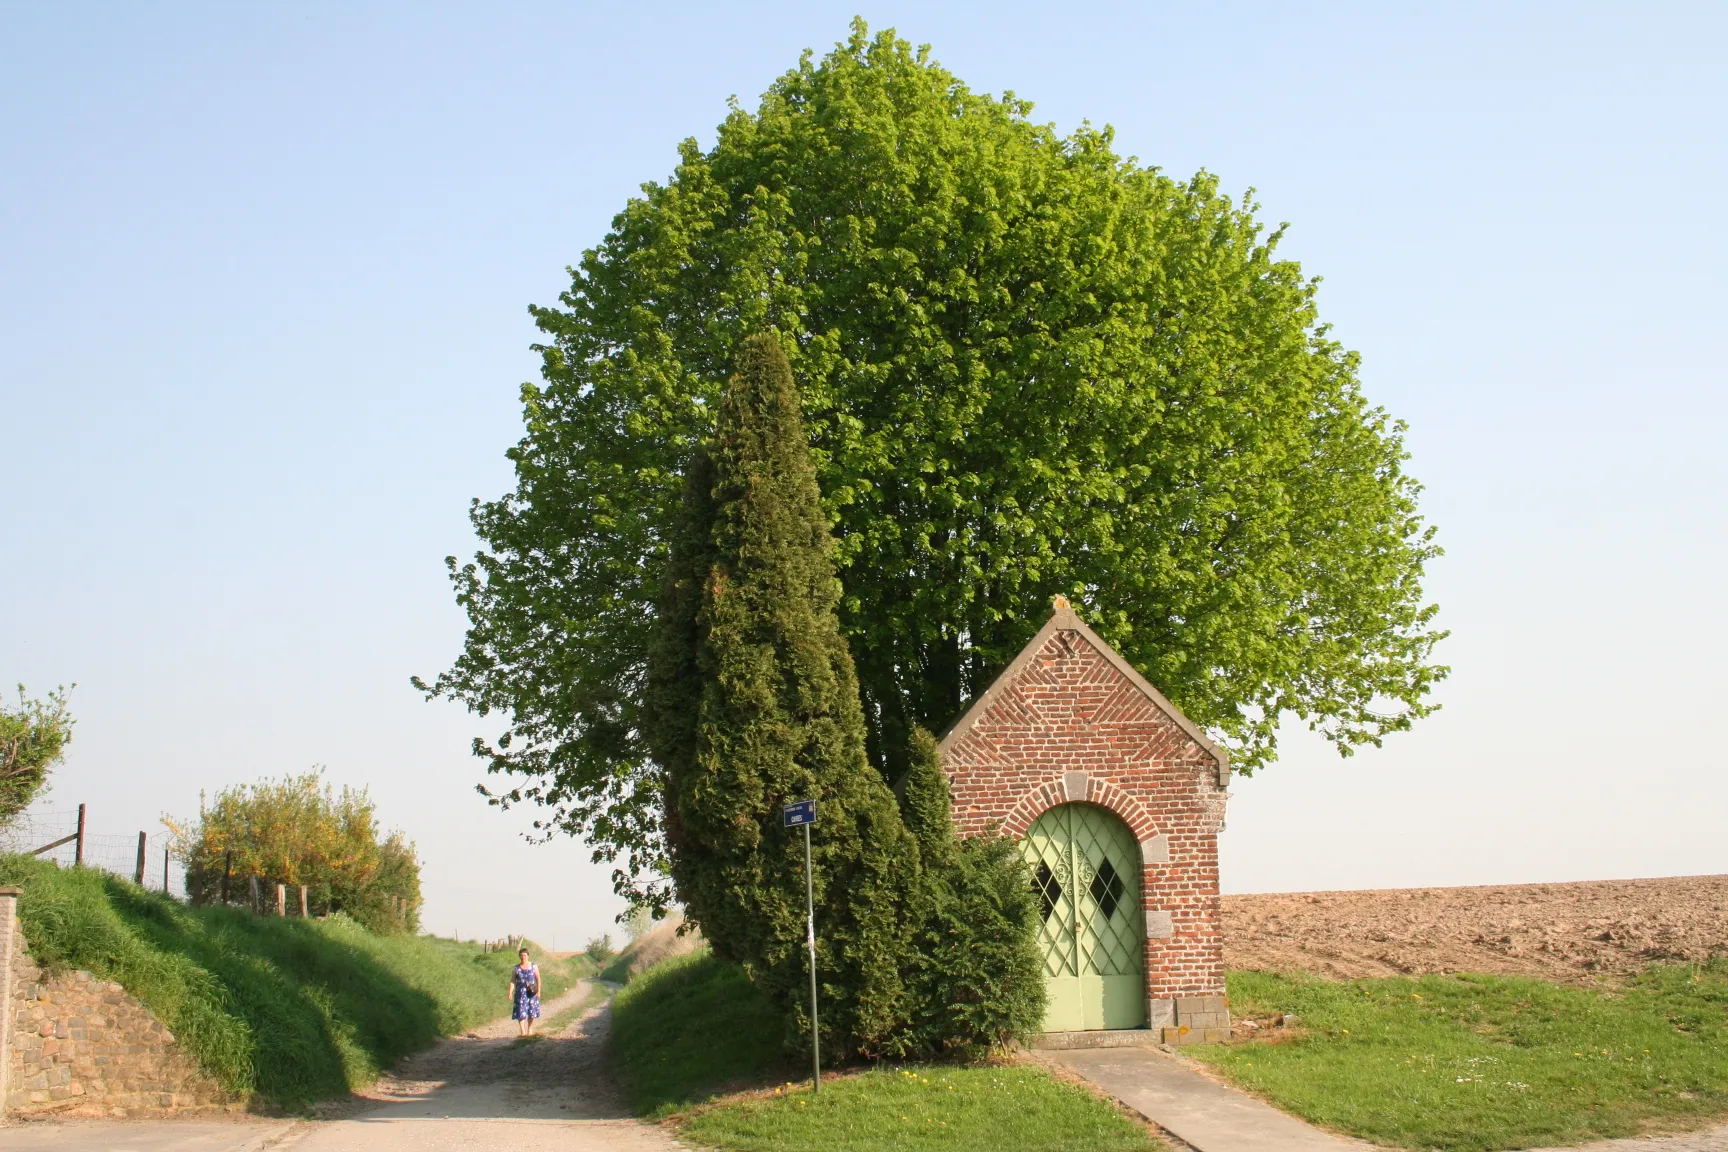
[(1211, 1117), (1194, 1109)]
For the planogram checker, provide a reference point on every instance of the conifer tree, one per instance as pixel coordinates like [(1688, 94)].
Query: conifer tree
[(754, 703), (924, 800), (974, 975)]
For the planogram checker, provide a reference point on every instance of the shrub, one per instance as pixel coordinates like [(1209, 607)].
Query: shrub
[(295, 831), (33, 738), (976, 977)]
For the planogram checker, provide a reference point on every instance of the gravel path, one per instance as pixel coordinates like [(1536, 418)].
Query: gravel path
[(489, 1088), (485, 1090)]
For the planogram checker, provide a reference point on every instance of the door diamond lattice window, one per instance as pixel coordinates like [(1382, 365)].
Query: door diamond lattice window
[(1086, 873)]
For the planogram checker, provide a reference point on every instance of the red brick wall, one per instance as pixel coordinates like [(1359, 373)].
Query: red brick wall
[(1068, 709)]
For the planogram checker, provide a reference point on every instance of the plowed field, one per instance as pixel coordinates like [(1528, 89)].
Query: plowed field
[(1569, 933)]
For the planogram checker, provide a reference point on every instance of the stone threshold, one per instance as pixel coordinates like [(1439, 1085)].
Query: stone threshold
[(1100, 1038)]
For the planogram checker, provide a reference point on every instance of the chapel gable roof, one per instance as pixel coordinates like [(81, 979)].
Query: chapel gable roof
[(1063, 618)]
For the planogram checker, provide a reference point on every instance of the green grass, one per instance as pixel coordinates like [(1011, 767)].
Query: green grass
[(1478, 1062), (569, 1013), (688, 1028), (940, 1108), (293, 1010)]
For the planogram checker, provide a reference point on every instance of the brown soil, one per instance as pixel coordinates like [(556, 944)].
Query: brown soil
[(1570, 933)]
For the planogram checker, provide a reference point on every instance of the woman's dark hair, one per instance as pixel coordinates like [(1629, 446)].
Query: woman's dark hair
[(521, 951)]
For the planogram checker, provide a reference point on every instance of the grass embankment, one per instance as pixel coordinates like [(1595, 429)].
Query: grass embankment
[(293, 1010), (689, 1027), (693, 1026), (1472, 1063)]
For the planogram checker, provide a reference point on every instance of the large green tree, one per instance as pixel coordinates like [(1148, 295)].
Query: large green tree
[(1028, 366)]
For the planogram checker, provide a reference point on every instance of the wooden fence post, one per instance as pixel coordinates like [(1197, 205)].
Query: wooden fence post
[(257, 897), (303, 911), (138, 876), (227, 872), (78, 852), (281, 899), (165, 891)]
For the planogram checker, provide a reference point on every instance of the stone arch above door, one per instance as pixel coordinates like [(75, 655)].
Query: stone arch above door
[(1077, 787)]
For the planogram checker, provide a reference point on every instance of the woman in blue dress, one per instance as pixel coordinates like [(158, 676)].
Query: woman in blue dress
[(525, 993)]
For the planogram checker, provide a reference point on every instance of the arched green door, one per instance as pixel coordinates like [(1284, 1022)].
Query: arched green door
[(1086, 869)]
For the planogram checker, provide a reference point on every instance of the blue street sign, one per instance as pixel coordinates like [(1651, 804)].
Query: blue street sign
[(793, 815)]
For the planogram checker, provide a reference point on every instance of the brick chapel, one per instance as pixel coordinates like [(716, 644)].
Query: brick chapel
[(1117, 799)]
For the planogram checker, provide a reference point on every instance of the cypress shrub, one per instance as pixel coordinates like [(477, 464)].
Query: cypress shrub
[(925, 942), (753, 703), (974, 973)]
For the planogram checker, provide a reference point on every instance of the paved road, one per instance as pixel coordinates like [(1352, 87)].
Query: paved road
[(481, 1091)]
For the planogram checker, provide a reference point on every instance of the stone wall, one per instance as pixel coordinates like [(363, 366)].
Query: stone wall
[(82, 1045)]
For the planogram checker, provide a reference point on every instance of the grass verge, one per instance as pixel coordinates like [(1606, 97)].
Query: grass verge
[(293, 1010), (1477, 1063), (941, 1108), (694, 1026), (689, 1027)]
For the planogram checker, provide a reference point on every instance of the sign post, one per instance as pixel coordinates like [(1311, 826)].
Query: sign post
[(803, 814)]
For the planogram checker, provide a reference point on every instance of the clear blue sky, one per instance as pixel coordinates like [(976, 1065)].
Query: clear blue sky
[(263, 278)]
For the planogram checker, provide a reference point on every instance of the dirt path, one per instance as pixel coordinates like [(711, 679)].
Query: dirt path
[(484, 1090), (490, 1088)]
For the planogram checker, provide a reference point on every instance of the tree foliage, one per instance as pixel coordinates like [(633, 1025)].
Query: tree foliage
[(299, 830), (753, 704), (1029, 366), (976, 978), (33, 738)]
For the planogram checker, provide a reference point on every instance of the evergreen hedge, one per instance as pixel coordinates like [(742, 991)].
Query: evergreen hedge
[(753, 703)]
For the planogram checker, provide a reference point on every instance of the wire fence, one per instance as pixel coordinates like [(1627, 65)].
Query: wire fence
[(64, 835)]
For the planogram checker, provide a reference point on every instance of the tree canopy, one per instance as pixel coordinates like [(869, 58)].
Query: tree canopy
[(299, 830), (1028, 366), (33, 739)]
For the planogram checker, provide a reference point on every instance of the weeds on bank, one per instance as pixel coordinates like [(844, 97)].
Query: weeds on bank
[(1475, 1063), (295, 1010)]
